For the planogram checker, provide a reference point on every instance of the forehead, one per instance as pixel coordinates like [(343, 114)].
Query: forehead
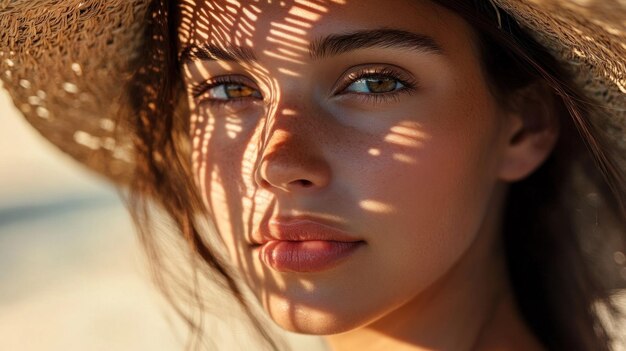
[(293, 25)]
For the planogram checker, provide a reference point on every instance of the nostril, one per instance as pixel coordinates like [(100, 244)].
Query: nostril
[(265, 184), (305, 183)]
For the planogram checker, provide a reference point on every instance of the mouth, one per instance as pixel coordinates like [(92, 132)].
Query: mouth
[(303, 246)]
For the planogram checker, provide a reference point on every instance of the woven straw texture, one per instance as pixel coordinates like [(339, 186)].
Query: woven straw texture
[(63, 63), (589, 39)]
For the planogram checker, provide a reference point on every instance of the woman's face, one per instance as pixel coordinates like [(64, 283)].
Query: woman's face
[(341, 114)]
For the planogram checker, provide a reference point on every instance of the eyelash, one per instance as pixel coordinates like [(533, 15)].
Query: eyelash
[(204, 86), (409, 86)]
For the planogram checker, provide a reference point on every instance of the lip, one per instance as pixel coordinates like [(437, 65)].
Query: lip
[(303, 245)]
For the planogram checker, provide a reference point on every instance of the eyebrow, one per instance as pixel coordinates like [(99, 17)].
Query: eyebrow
[(211, 52), (331, 45), (337, 44)]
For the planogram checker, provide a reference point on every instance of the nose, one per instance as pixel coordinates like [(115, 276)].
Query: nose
[(292, 162)]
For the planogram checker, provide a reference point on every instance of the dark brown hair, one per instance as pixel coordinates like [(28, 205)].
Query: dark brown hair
[(557, 286)]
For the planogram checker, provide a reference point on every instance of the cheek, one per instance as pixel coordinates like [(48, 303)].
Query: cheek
[(426, 213), (223, 163)]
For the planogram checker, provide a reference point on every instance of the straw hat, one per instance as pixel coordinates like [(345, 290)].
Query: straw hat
[(64, 63)]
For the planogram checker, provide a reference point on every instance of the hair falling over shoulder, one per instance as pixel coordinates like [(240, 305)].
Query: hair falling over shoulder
[(556, 246)]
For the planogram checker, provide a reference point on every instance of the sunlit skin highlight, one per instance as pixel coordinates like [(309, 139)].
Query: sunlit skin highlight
[(418, 170)]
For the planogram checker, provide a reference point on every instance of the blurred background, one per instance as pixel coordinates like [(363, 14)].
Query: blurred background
[(72, 275)]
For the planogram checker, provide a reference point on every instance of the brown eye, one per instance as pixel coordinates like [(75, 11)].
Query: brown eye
[(375, 85), (381, 85), (238, 91), (227, 91)]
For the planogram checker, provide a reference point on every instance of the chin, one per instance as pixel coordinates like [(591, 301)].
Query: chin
[(302, 319)]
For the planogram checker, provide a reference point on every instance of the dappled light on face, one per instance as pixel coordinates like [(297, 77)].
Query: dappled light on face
[(291, 60), (288, 112), (374, 151), (287, 52), (201, 129), (233, 22), (233, 127), (406, 134), (266, 46), (404, 158), (288, 72), (375, 206), (289, 36)]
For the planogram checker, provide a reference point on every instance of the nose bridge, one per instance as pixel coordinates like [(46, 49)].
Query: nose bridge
[(287, 126), (291, 156)]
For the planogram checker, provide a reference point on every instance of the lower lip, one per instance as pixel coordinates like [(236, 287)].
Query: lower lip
[(306, 256)]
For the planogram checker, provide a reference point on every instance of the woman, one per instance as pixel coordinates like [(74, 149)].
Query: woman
[(436, 180)]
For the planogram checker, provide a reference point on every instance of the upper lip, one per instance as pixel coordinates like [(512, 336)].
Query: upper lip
[(299, 229)]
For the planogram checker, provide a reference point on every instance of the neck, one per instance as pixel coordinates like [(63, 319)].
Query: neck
[(470, 308)]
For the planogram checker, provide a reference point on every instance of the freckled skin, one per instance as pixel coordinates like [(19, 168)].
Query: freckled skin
[(419, 177)]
